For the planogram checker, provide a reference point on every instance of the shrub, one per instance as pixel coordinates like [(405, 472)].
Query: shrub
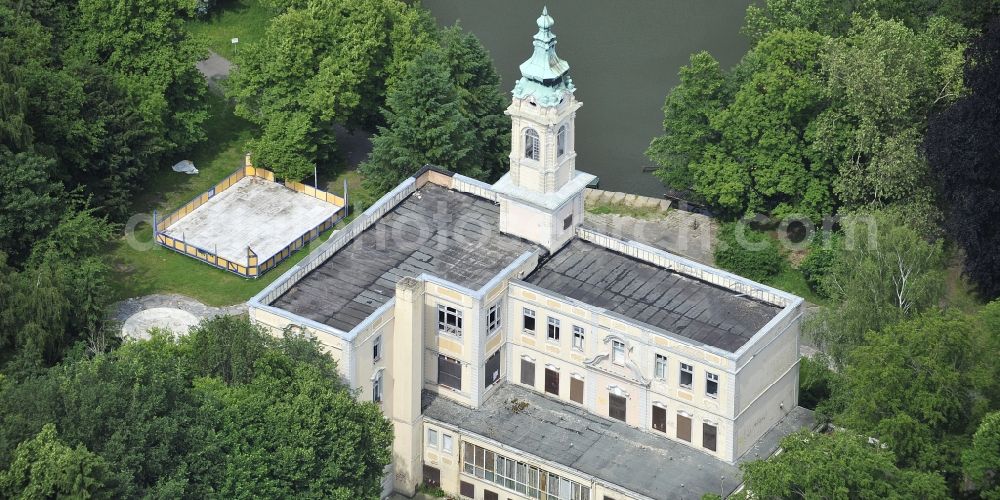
[(748, 253)]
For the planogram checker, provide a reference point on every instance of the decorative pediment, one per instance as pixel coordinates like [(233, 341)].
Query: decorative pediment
[(602, 360)]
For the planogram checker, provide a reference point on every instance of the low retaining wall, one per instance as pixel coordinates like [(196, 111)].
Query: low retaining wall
[(599, 197)]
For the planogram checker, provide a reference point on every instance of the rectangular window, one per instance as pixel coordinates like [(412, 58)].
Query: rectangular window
[(578, 337), (553, 329), (517, 476), (468, 490), (683, 428), (659, 419), (449, 372), (432, 475), (551, 381), (687, 375), (377, 388), (708, 433), (490, 495), (493, 318), (711, 385), (449, 320), (616, 407), (493, 368), (618, 352), (432, 438), (660, 370), (446, 443), (529, 320), (576, 390), (527, 372), (568, 221), (377, 349)]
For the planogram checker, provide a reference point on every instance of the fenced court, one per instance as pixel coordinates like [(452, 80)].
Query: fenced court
[(248, 223)]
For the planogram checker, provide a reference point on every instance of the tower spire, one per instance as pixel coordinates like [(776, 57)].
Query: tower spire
[(544, 76)]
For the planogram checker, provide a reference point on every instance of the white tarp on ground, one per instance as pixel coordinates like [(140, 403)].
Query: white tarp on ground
[(185, 166)]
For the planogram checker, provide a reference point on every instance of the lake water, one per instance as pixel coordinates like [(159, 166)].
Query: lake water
[(624, 57)]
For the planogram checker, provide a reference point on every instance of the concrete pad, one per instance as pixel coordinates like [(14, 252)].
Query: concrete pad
[(617, 198), (631, 200), (167, 318), (264, 215), (647, 202)]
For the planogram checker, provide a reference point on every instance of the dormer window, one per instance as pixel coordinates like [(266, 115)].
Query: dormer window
[(561, 141), (531, 144)]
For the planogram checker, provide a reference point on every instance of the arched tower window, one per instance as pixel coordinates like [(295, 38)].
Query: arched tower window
[(561, 141), (531, 144)]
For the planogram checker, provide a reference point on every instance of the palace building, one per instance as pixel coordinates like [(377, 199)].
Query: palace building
[(520, 354)]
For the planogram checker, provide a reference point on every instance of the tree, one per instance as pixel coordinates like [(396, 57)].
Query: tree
[(29, 201), (830, 18), (982, 460), (424, 125), (763, 162), (482, 102), (884, 80), (884, 272), (965, 163), (686, 113), (840, 464), (45, 467), (917, 387)]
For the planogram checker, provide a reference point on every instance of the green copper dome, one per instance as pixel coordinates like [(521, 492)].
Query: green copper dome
[(544, 76)]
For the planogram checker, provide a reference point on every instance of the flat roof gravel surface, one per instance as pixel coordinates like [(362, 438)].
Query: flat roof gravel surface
[(254, 212), (447, 234), (653, 295)]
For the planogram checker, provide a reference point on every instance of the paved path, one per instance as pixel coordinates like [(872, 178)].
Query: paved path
[(172, 312)]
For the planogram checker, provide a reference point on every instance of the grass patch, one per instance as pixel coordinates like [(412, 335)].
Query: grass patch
[(158, 270), (243, 19), (627, 210), (792, 281)]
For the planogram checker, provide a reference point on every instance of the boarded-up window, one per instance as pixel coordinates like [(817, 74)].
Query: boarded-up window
[(432, 475), (493, 369), (684, 428), (616, 407), (527, 372), (576, 390), (659, 419), (449, 372), (708, 433), (490, 495), (467, 490), (552, 381)]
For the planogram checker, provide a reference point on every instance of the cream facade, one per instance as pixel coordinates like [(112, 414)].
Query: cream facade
[(450, 341)]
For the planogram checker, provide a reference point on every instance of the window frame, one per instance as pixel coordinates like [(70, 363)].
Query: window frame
[(714, 436), (579, 334), (490, 380), (377, 349), (660, 366), (526, 314), (576, 390), (561, 141), (377, 387), (615, 357), (444, 311), (494, 318), (446, 359), (557, 380), (688, 427), (688, 370), (532, 144), (710, 380), (450, 446), (432, 442), (624, 407), (659, 411), (523, 372), (568, 222), (553, 330)]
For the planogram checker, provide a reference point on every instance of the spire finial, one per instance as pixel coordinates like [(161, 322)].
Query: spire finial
[(545, 22)]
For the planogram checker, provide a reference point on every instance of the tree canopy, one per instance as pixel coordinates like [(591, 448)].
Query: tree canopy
[(965, 163), (225, 412)]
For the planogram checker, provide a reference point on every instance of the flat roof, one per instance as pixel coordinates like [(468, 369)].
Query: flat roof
[(448, 234), (606, 449), (253, 212), (659, 297)]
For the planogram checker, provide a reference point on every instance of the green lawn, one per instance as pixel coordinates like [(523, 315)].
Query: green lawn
[(625, 209), (243, 19)]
